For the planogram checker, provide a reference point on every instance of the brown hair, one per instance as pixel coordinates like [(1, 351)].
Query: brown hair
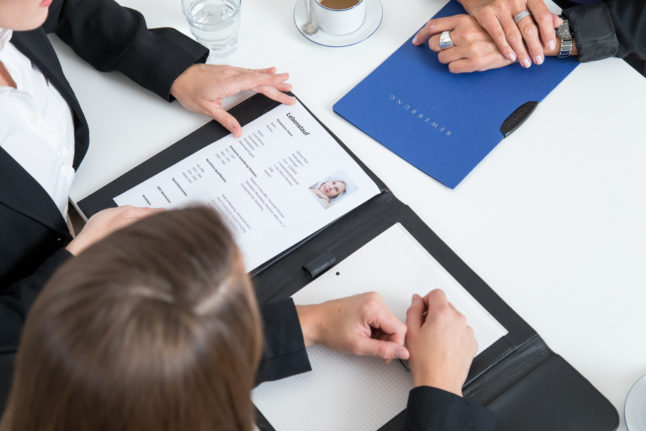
[(154, 328)]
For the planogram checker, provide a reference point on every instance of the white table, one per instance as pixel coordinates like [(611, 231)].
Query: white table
[(554, 219)]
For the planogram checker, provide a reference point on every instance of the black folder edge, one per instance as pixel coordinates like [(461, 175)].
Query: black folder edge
[(500, 368)]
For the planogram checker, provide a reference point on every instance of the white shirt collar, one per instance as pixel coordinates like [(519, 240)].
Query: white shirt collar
[(5, 36)]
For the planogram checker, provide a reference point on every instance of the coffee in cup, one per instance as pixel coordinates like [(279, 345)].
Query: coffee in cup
[(339, 4), (340, 17)]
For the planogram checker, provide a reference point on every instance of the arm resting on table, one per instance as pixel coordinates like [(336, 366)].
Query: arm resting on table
[(111, 37), (432, 409), (284, 351)]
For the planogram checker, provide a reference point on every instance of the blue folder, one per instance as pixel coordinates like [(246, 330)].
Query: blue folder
[(443, 123)]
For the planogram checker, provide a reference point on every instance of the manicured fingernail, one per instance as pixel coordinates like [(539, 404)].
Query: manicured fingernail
[(511, 56), (526, 63), (551, 45), (415, 40), (538, 59)]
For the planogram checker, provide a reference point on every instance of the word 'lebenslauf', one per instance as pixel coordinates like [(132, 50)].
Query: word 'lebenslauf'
[(297, 124)]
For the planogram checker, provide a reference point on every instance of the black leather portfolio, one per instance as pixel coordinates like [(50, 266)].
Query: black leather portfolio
[(518, 377)]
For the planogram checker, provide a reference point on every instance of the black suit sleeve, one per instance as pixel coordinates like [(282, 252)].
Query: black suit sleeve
[(284, 351), (431, 409), (611, 28), (16, 299), (114, 38)]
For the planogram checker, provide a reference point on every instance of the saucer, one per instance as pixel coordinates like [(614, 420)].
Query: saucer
[(635, 407), (374, 14)]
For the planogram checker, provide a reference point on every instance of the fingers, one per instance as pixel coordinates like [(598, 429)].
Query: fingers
[(434, 299), (489, 21), (277, 93), (386, 350), (450, 55), (386, 320), (530, 34), (227, 120), (515, 39), (415, 314), (244, 79), (544, 19), (435, 26)]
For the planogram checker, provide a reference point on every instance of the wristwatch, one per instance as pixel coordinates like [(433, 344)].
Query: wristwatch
[(563, 33)]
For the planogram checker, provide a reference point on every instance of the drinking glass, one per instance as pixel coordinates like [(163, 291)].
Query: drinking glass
[(214, 23)]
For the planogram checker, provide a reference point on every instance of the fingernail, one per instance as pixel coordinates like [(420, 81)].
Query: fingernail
[(412, 300), (538, 59), (526, 63), (397, 354), (511, 56), (415, 40), (551, 45)]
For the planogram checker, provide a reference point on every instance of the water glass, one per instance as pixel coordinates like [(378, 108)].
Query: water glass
[(214, 23)]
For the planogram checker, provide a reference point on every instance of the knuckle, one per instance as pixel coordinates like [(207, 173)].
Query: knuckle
[(545, 19), (530, 31), (463, 19), (488, 10), (439, 294), (370, 302), (513, 38), (443, 312)]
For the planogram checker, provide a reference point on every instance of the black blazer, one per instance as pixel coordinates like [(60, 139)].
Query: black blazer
[(33, 233), (429, 409), (284, 354)]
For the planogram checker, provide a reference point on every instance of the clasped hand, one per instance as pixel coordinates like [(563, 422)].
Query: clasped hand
[(488, 38), (439, 343)]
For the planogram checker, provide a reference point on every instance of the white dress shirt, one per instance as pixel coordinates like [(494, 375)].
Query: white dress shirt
[(36, 126)]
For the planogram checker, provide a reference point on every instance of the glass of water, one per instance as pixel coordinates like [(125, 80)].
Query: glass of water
[(214, 23)]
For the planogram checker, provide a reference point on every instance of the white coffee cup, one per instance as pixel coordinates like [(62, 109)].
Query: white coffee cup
[(340, 21)]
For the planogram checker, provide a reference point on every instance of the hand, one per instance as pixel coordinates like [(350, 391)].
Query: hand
[(104, 223), (362, 325), (202, 87), (497, 18), (473, 49), (441, 344)]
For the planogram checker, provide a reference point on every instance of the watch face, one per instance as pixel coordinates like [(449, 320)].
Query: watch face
[(563, 31)]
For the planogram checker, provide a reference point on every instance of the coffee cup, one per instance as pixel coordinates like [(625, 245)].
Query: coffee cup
[(340, 17)]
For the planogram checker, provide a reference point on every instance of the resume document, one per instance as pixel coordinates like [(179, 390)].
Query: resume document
[(283, 180)]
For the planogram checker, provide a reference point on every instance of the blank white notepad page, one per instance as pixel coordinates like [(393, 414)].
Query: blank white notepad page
[(352, 393)]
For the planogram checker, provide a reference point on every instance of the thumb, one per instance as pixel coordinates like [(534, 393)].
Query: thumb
[(415, 314), (386, 350)]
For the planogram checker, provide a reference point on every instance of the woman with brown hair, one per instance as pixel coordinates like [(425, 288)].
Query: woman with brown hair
[(157, 328)]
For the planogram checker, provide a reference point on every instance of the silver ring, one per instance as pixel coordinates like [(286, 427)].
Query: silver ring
[(521, 15), (445, 40)]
